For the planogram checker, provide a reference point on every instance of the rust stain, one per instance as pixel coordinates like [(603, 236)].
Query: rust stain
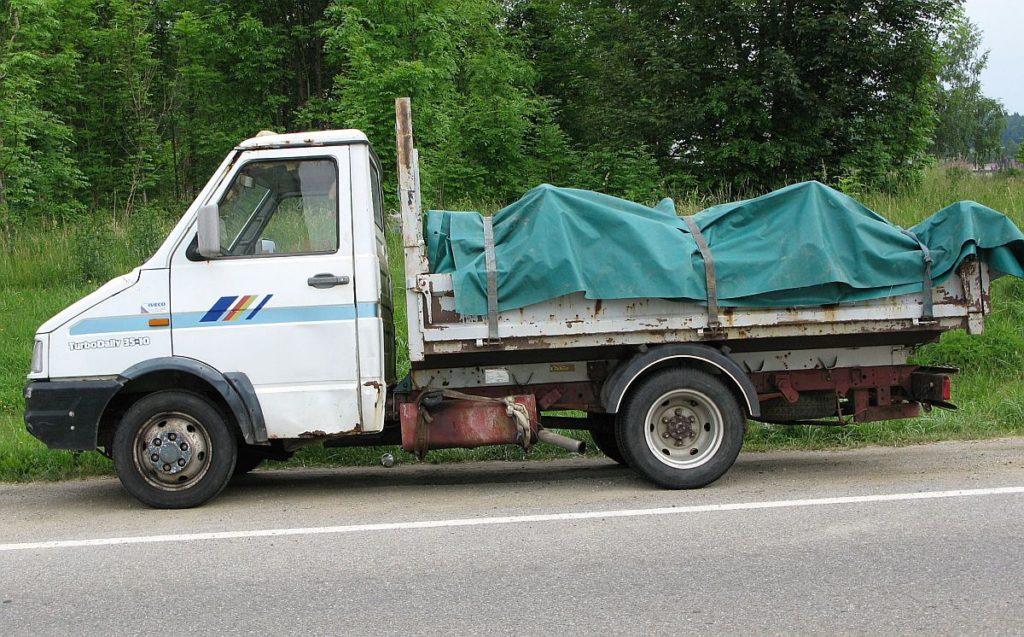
[(318, 433)]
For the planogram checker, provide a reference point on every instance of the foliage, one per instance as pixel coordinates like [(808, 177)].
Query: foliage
[(480, 127), (112, 105), (226, 80), (1013, 134), (970, 125), (747, 94), (38, 176)]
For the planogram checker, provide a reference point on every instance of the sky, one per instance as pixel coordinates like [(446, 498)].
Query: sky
[(1002, 27)]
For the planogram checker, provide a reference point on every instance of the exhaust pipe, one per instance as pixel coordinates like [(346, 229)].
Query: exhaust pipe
[(569, 444)]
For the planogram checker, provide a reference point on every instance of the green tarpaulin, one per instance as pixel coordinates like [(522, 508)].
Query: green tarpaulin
[(805, 244)]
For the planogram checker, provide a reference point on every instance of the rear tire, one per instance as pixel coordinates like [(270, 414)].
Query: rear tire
[(681, 428), (602, 431), (173, 450)]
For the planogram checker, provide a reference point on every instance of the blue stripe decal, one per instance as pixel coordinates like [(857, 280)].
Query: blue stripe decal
[(258, 307), (111, 324), (277, 315), (222, 305), (269, 316)]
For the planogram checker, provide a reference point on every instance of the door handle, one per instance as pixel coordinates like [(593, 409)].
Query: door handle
[(326, 280)]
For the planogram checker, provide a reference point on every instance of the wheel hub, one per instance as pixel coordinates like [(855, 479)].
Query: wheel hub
[(678, 427), (684, 428), (169, 452)]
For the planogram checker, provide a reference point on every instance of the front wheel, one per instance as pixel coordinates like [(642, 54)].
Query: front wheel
[(681, 428), (173, 450)]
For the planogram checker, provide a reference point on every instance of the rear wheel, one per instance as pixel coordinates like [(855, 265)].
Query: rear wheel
[(681, 428), (173, 450), (602, 431)]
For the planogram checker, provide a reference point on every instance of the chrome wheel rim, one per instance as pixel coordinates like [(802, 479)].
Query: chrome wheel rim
[(172, 451), (684, 428)]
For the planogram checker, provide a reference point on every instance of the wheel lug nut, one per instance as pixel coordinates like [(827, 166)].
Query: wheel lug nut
[(172, 437), (184, 446), (154, 457), (666, 436), (167, 467), (664, 420), (181, 462), (678, 411), (157, 442)]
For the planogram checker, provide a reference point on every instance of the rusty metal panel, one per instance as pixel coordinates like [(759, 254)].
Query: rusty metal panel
[(841, 380), (573, 321), (465, 424), (872, 393), (974, 277)]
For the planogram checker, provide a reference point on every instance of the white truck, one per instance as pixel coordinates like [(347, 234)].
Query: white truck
[(264, 323)]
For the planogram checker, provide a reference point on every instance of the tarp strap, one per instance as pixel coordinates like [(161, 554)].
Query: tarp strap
[(492, 281), (926, 289), (709, 272)]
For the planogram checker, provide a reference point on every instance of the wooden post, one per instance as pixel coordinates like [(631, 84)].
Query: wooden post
[(416, 263), (409, 194)]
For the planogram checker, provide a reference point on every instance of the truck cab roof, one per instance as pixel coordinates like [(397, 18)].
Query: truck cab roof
[(299, 140)]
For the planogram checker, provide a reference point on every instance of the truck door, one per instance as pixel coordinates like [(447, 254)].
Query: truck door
[(280, 304)]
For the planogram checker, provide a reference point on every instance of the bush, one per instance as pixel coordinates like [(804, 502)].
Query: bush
[(91, 245), (147, 229)]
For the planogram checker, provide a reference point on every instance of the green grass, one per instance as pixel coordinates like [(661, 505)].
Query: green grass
[(42, 270)]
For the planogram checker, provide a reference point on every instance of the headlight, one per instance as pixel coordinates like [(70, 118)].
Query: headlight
[(37, 357)]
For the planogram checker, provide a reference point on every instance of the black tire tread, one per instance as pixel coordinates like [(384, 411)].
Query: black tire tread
[(602, 432), (222, 441), (632, 422)]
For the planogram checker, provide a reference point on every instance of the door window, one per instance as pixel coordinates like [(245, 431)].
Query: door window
[(281, 207), (378, 206)]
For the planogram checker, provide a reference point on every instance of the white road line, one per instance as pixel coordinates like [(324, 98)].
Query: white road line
[(513, 519)]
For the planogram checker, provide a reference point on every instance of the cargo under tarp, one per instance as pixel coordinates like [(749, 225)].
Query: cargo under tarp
[(803, 245)]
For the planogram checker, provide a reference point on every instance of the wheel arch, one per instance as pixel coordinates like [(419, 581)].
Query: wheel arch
[(627, 374), (232, 393)]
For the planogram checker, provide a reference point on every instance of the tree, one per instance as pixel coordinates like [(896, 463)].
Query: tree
[(115, 113), (38, 175), (1013, 134), (225, 74), (745, 94), (987, 142), (484, 133), (969, 124)]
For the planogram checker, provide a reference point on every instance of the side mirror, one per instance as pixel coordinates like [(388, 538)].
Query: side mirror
[(209, 231)]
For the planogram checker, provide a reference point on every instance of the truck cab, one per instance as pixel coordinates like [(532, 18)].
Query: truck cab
[(284, 324)]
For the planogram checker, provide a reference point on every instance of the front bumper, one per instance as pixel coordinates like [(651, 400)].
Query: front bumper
[(66, 414)]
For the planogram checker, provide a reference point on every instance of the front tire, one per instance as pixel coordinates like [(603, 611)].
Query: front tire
[(173, 450), (681, 428), (247, 460)]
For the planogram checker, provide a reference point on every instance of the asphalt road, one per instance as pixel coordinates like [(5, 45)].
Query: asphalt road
[(787, 543)]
